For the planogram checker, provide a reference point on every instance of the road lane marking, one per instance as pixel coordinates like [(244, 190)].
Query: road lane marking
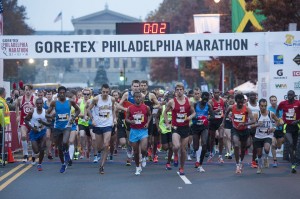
[(10, 172), (10, 180), (184, 178)]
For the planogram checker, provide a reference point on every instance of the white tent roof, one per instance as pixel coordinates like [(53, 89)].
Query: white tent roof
[(246, 87)]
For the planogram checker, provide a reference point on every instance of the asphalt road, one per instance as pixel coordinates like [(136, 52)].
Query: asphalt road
[(82, 180)]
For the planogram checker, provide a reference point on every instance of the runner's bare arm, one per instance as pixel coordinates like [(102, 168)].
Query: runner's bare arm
[(169, 107), (154, 100), (91, 105), (192, 111), (123, 99)]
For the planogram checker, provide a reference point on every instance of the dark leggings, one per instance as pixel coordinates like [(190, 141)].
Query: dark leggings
[(292, 138), (196, 138)]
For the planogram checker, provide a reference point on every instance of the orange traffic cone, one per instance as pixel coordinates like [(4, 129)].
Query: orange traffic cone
[(10, 157)]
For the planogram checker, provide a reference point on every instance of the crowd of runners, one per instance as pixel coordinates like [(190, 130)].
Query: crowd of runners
[(78, 124)]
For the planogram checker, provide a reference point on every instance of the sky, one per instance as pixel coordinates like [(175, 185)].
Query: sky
[(42, 13)]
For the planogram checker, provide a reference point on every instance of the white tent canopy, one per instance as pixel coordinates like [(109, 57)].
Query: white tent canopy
[(246, 87)]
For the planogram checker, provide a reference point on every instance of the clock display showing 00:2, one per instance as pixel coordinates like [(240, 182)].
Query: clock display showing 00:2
[(143, 28)]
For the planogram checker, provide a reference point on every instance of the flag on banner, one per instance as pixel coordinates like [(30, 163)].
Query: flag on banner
[(243, 20), (1, 17), (59, 17)]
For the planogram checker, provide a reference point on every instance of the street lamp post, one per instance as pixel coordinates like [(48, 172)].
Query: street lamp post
[(45, 66)]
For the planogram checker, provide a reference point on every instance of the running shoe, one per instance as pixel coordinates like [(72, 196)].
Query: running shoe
[(275, 164), (128, 163), (76, 154), (294, 169), (115, 152), (144, 162), (138, 171), (197, 164), (168, 166), (67, 156), (129, 154), (39, 167), (210, 157), (25, 158), (238, 170), (175, 161), (70, 163), (50, 157), (181, 171), (81, 155), (155, 159), (259, 170), (110, 158), (220, 160), (189, 157), (200, 169), (101, 170), (227, 155), (266, 163), (63, 168), (98, 156), (253, 164), (95, 159)]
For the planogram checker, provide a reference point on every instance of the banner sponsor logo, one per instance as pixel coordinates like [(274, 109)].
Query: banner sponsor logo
[(291, 41), (281, 86), (296, 73), (297, 85), (280, 74), (297, 59), (14, 47), (278, 59), (296, 97)]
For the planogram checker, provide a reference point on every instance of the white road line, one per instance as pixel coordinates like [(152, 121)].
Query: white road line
[(184, 178)]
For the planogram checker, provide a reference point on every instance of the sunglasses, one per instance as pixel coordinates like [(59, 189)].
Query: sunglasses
[(85, 93)]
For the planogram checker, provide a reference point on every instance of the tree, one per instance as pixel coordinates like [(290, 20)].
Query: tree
[(101, 77), (14, 17)]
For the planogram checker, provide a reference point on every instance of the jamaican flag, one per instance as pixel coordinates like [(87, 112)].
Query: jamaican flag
[(243, 20)]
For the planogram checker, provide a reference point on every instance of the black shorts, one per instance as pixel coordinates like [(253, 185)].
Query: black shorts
[(85, 128), (259, 143), (228, 124), (166, 138), (150, 127), (215, 124), (290, 128), (154, 130), (198, 129), (278, 134), (183, 131), (242, 134), (252, 132), (121, 129)]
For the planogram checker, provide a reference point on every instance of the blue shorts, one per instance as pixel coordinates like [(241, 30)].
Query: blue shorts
[(102, 130), (137, 134), (36, 136)]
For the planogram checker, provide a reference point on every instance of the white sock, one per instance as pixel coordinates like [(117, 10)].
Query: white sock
[(25, 147), (198, 153), (71, 151)]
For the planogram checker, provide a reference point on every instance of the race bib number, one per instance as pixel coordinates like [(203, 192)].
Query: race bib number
[(104, 114), (181, 117), (63, 117), (290, 115), (138, 118), (239, 118)]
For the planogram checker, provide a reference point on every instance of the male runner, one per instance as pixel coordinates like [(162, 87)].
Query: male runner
[(103, 119), (182, 112), (62, 124), (291, 118), (138, 116)]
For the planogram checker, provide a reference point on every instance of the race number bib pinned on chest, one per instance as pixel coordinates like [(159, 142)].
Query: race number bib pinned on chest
[(181, 117), (63, 117), (239, 118), (104, 114), (290, 115), (138, 118)]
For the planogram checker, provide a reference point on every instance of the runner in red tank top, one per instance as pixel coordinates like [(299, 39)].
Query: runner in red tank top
[(182, 113), (218, 105), (240, 133), (138, 116), (23, 106)]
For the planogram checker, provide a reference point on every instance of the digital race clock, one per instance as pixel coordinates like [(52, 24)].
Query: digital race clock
[(142, 28)]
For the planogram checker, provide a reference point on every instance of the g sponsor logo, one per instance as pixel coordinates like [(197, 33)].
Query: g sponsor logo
[(280, 74)]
